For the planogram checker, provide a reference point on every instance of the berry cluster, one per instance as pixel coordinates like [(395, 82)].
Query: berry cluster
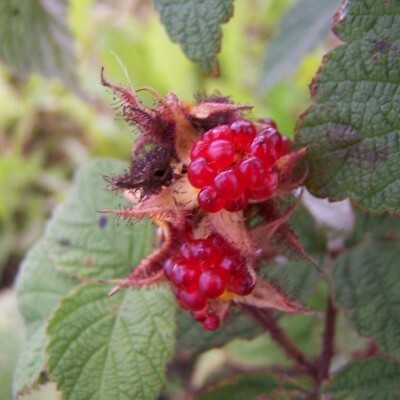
[(232, 164), (205, 269)]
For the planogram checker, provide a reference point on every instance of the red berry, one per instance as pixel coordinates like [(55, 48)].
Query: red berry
[(212, 282), (268, 187), (274, 138), (168, 267), (203, 253), (210, 200), (200, 174), (250, 172), (186, 251), (233, 265), (244, 132), (228, 185), (242, 284), (220, 154), (285, 146), (264, 150), (238, 204), (219, 132), (183, 275), (198, 149), (211, 322), (192, 299)]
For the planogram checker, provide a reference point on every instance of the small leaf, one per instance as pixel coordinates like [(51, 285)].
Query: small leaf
[(367, 286), (86, 243), (34, 38), (370, 379), (39, 288), (302, 28), (195, 25), (352, 129), (193, 338), (109, 348)]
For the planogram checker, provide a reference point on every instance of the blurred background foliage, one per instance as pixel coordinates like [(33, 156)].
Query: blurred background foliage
[(48, 128)]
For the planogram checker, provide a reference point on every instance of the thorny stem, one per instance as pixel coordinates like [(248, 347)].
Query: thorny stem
[(328, 343), (280, 337)]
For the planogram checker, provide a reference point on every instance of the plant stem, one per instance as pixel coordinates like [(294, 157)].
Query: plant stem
[(281, 338), (328, 342)]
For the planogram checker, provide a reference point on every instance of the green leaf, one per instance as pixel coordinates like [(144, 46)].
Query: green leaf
[(352, 129), (301, 29), (195, 25), (371, 226), (34, 38), (86, 243), (367, 285), (193, 338), (112, 348), (39, 288), (371, 379)]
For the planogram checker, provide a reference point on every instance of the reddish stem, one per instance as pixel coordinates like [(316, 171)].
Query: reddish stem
[(328, 343), (265, 318)]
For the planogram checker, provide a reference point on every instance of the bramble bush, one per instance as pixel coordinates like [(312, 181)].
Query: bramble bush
[(257, 234)]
